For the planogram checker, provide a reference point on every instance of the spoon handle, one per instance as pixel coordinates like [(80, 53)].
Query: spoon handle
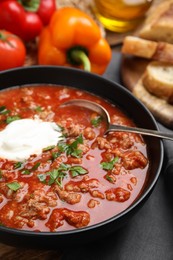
[(120, 128)]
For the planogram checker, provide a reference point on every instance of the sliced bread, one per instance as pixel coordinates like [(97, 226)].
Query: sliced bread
[(158, 26), (160, 51), (158, 80), (139, 47), (162, 111)]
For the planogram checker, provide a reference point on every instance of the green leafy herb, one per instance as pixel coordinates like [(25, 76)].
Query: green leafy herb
[(35, 167), (42, 177), (55, 176), (18, 165), (109, 165), (48, 148), (26, 172), (0, 174), (71, 149), (38, 109), (96, 121), (12, 118), (77, 170), (4, 110), (13, 186), (55, 155)]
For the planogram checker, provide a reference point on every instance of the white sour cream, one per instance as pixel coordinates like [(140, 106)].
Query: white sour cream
[(25, 137)]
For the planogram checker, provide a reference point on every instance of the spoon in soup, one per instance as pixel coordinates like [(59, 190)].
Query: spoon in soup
[(114, 127)]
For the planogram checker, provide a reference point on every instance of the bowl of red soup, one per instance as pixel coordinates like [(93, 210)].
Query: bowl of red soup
[(62, 179)]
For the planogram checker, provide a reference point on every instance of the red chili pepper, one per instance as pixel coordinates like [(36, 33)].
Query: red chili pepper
[(25, 18)]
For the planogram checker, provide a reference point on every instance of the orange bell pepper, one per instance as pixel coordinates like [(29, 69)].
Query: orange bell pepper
[(72, 38)]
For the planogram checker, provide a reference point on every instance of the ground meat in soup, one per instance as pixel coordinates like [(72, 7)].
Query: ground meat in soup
[(85, 178)]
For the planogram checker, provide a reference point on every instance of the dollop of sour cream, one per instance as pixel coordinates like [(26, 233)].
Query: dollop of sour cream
[(25, 137)]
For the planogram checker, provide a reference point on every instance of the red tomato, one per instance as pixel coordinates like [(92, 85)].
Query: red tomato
[(12, 51), (46, 9)]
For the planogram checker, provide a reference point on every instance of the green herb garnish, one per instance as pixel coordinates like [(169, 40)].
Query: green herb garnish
[(38, 109), (77, 170), (12, 118), (55, 155), (71, 149), (96, 121), (42, 177), (35, 167), (48, 148), (18, 165), (4, 110), (13, 186), (26, 172), (56, 175), (109, 165)]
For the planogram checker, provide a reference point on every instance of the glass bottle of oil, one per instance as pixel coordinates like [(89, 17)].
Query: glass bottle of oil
[(121, 15)]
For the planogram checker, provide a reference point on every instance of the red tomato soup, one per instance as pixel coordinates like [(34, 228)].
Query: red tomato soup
[(83, 178)]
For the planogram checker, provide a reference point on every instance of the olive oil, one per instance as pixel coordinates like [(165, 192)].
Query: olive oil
[(121, 15)]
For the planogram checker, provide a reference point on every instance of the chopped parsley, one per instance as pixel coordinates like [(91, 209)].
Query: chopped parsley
[(57, 175), (12, 118), (71, 149), (35, 167), (48, 148), (38, 109), (18, 165), (4, 110), (28, 171), (109, 165), (55, 155), (14, 186), (42, 177), (77, 170), (96, 121)]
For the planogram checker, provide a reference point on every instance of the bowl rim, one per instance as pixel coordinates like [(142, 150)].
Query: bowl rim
[(137, 201)]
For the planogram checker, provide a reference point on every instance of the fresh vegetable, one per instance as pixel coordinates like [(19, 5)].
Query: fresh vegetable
[(46, 9), (12, 51), (25, 18), (72, 38)]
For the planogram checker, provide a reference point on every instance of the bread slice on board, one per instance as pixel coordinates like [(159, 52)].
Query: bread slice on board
[(160, 51), (158, 26), (158, 80), (162, 111)]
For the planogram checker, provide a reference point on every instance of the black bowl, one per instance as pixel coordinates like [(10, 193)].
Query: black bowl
[(128, 103)]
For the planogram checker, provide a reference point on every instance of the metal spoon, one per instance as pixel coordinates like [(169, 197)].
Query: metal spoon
[(115, 128)]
